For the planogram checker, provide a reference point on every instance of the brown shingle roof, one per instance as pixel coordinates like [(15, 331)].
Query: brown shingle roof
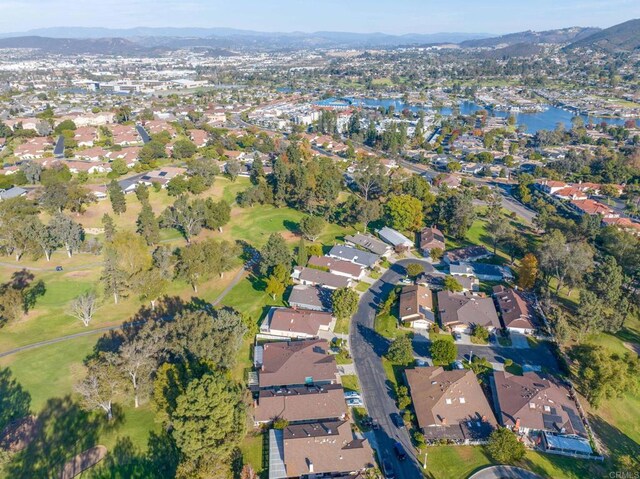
[(334, 264), (296, 362), (298, 320), (324, 447), (431, 238), (444, 398), (533, 402), (412, 300), (464, 309), (515, 311), (301, 404)]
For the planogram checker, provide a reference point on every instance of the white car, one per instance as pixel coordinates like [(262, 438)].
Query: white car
[(354, 402), (351, 395)]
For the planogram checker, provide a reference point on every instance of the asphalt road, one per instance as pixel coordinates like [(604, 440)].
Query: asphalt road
[(367, 349), (508, 201)]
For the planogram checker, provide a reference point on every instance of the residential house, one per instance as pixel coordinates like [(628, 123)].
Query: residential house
[(296, 323), (396, 239), (368, 242), (337, 267), (93, 154), (88, 166), (297, 363), (431, 238), (99, 191), (450, 405), (416, 307), (470, 253), (316, 277), (517, 313), (449, 180), (32, 149), (13, 192), (533, 403), (624, 224), (199, 137), (482, 271), (318, 449), (85, 136), (310, 297), (300, 404), (125, 135), (353, 255), (550, 186), (592, 207), (461, 312)]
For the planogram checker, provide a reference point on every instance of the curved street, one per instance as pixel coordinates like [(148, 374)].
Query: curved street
[(367, 349)]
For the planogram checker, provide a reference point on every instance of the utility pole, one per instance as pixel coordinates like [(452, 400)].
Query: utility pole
[(424, 466)]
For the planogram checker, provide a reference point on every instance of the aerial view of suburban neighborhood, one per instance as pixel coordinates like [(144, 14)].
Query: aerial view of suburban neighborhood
[(352, 240)]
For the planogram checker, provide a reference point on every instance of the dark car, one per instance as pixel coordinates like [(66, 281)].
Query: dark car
[(399, 450), (387, 469), (397, 420), (58, 268)]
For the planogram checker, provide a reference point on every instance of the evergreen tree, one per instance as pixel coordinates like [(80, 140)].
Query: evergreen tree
[(116, 195), (147, 224)]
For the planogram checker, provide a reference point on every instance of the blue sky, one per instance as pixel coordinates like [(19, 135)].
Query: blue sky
[(389, 16)]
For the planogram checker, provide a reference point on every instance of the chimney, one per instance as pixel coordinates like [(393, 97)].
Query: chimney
[(444, 421), (310, 466), (517, 425)]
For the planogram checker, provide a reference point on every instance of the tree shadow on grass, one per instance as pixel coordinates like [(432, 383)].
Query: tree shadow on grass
[(291, 226), (64, 429), (15, 402)]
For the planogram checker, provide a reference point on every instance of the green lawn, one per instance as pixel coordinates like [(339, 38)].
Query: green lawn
[(459, 462), (350, 382)]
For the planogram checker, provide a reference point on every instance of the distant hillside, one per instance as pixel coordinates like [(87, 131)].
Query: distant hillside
[(104, 46), (625, 36), (235, 38), (564, 35), (511, 51)]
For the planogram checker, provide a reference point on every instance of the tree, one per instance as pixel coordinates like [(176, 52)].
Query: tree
[(67, 232), (203, 168), (232, 169), (142, 193), (208, 424), (216, 214), (162, 260), (147, 225), (602, 375), (436, 254), (443, 352), (41, 235), (480, 334), (138, 357), (184, 216), (311, 227), (114, 280), (109, 227), (116, 196), (151, 152), (414, 269), (184, 148), (504, 446), (83, 307), (455, 212), (54, 197), (302, 254), (212, 336), (274, 287), (151, 284), (102, 384), (345, 303), (274, 252), (177, 185), (32, 171), (369, 177), (191, 265), (12, 303), (527, 271), (452, 284), (562, 260), (404, 212), (401, 351), (607, 280)]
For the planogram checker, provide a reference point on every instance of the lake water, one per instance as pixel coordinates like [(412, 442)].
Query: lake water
[(545, 120)]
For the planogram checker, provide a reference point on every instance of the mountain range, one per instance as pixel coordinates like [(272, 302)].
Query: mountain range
[(147, 40)]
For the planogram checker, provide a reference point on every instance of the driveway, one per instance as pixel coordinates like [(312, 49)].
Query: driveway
[(519, 341), (539, 358), (367, 349)]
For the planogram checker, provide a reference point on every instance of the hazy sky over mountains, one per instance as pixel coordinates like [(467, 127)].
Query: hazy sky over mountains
[(389, 16)]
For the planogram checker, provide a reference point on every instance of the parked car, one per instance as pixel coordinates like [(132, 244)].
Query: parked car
[(457, 336), (355, 402), (397, 420), (458, 365), (387, 469), (399, 450), (375, 424), (406, 281), (351, 395)]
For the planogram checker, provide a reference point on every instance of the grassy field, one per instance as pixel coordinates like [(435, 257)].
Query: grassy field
[(459, 462)]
